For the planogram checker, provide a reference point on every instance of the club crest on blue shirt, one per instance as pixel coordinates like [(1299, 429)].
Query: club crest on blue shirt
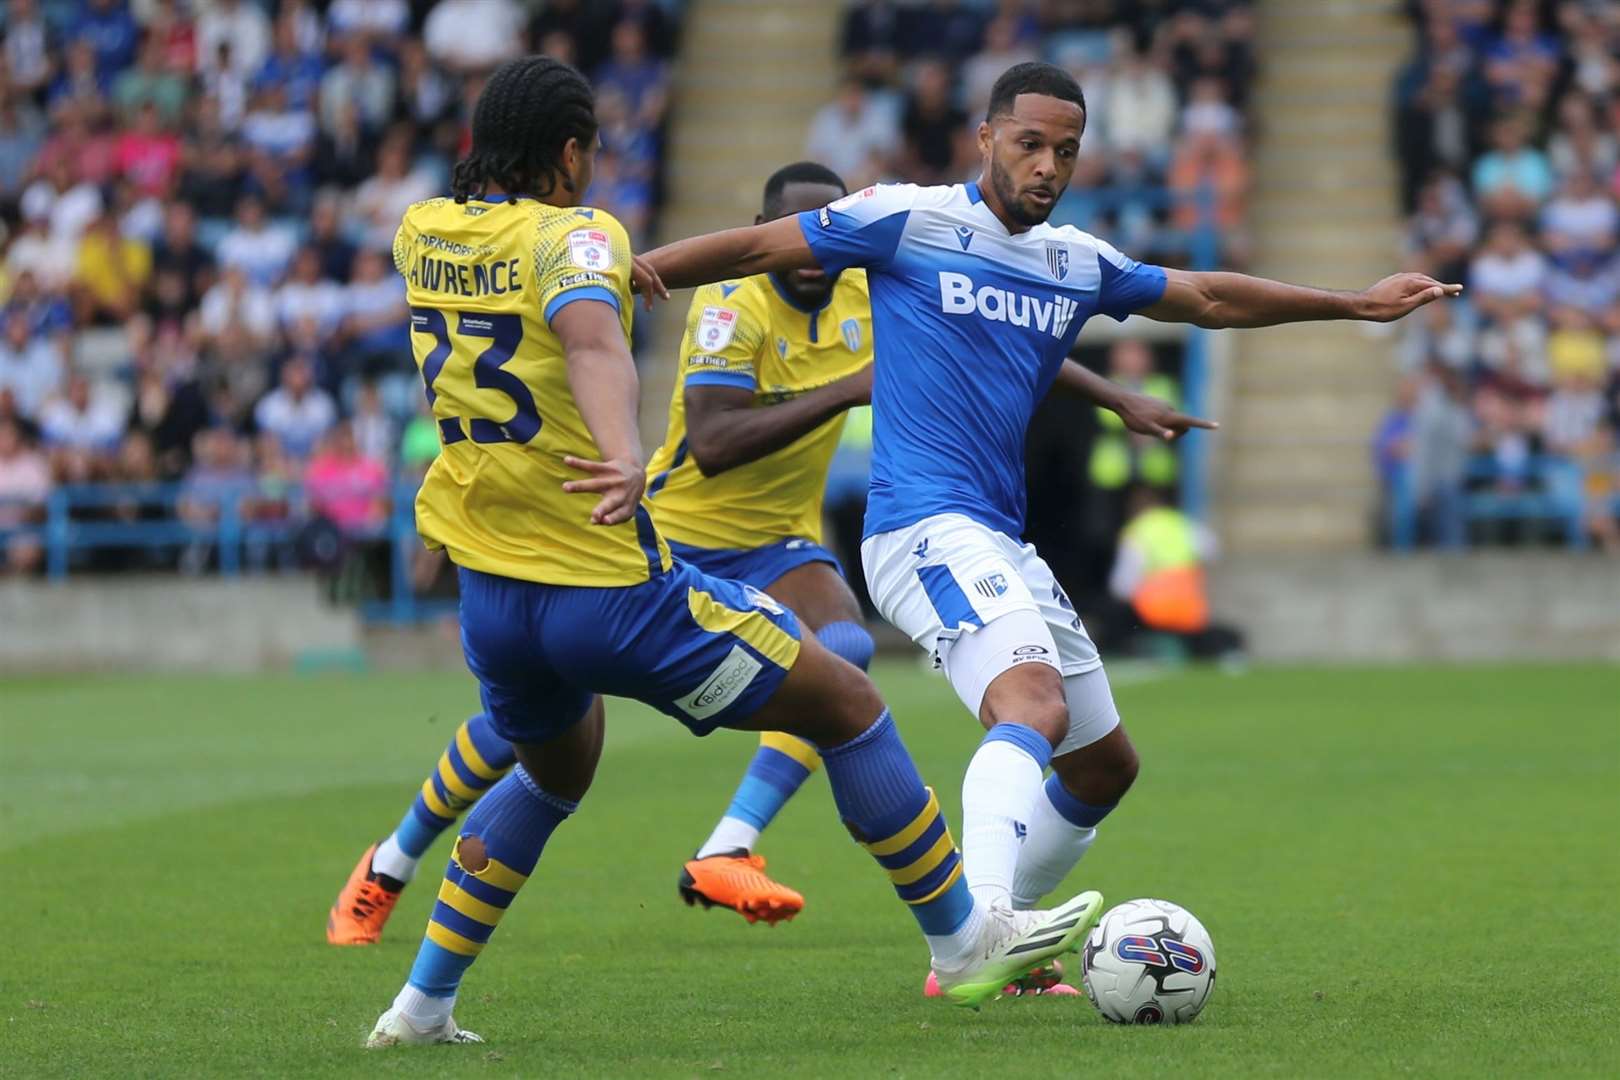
[(1057, 259), (852, 334)]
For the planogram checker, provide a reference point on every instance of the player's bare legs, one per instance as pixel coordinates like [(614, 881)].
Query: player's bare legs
[(726, 871)]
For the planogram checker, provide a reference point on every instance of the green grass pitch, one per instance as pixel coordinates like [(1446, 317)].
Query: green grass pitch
[(1405, 872)]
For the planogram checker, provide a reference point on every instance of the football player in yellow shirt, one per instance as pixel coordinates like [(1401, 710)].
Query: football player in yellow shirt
[(768, 367), (769, 364), (520, 316)]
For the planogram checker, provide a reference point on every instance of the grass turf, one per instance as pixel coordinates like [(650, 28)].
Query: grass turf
[(1404, 871)]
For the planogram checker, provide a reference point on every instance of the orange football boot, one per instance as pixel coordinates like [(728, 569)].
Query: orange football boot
[(362, 908), (737, 880)]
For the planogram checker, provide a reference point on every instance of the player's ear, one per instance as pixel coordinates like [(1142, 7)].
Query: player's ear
[(568, 165), (986, 137)]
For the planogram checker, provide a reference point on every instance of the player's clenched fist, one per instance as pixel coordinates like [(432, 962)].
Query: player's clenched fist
[(1401, 294), (619, 481)]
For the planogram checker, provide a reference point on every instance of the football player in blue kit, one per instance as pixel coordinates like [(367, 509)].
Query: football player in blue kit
[(976, 302)]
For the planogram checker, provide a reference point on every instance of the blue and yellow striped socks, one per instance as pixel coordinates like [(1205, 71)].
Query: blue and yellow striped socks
[(782, 763), (888, 810), (495, 854), (476, 757), (777, 770)]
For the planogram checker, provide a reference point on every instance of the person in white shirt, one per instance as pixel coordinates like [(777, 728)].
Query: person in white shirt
[(240, 24), (1580, 217), (473, 35), (358, 80), (297, 413), (374, 433), (306, 296), (853, 135), (374, 19), (30, 367), (382, 200), (1141, 114), (256, 247), (1506, 276), (235, 304), (82, 419)]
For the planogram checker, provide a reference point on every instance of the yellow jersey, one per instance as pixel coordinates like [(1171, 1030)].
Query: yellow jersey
[(747, 334), (484, 279)]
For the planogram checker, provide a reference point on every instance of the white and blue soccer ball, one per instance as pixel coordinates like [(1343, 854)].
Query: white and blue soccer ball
[(1149, 962)]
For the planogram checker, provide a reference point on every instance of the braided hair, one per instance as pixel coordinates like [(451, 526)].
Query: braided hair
[(526, 113)]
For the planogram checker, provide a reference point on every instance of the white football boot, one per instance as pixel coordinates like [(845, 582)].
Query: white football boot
[(1013, 942), (393, 1029)]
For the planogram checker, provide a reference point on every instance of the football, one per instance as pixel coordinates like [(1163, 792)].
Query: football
[(1149, 962)]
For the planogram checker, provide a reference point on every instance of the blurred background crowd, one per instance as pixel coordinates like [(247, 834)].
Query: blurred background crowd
[(1506, 425), (198, 200), (1167, 84)]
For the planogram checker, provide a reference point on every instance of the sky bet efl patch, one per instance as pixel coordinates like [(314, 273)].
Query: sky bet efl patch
[(715, 327), (590, 249)]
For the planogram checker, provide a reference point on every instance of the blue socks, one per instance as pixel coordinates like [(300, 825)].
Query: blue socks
[(494, 856), (782, 763), (1077, 813), (848, 640), (475, 759), (888, 810)]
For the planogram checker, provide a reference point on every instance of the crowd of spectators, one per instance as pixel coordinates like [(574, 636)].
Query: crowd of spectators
[(1508, 130), (1162, 173), (197, 204), (1167, 86)]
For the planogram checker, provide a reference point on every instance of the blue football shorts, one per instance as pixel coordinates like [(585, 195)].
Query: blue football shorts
[(706, 650), (759, 566)]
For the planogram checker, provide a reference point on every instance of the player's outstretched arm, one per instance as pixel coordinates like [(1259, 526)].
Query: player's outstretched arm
[(602, 378), (725, 429), (719, 256), (1220, 300), (1141, 413)]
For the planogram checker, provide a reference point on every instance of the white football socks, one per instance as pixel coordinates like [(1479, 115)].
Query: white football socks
[(423, 1012), (390, 859), (1051, 849), (731, 834), (951, 950), (999, 792)]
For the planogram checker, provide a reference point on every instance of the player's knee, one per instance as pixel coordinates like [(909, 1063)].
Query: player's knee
[(849, 640), (855, 706), (1049, 719)]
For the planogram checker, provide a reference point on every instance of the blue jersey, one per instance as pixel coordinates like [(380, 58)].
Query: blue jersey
[(969, 325)]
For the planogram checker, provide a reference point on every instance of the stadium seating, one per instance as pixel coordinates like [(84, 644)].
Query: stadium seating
[(198, 207), (1508, 425)]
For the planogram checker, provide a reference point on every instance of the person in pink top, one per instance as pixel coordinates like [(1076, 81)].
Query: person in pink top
[(346, 487), (148, 154)]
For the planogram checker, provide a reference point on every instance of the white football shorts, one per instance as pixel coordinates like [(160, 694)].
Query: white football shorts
[(981, 603)]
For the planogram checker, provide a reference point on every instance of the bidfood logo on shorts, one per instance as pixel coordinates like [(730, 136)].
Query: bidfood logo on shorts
[(959, 296), (724, 684)]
